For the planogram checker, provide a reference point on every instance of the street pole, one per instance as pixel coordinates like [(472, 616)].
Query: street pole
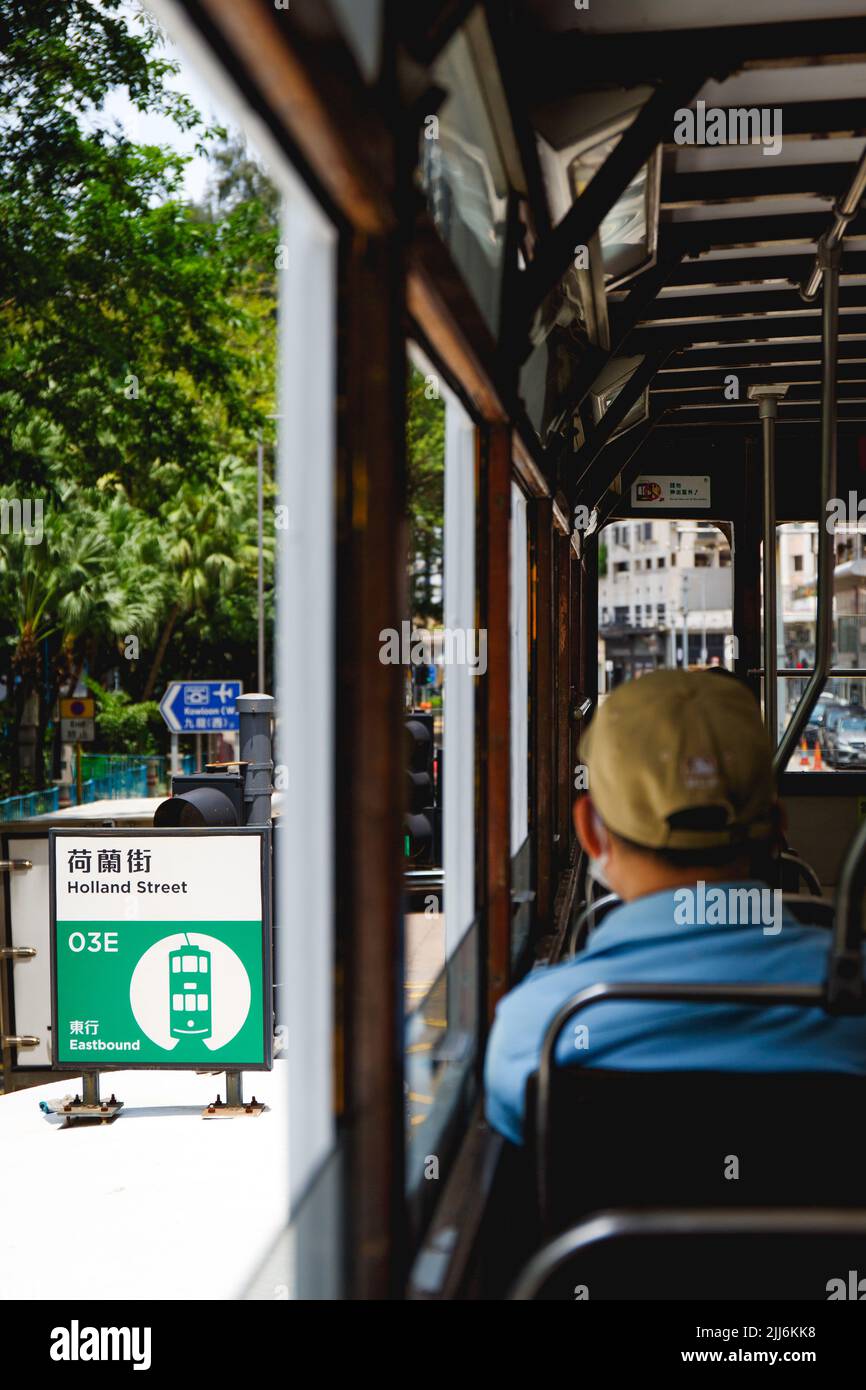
[(78, 783), (261, 575)]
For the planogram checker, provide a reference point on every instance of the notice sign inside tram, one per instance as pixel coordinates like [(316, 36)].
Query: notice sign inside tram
[(160, 949), (679, 490)]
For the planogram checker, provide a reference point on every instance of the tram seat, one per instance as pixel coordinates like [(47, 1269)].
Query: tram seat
[(696, 1139), (793, 868), (806, 907), (816, 912), (705, 1254), (585, 922)]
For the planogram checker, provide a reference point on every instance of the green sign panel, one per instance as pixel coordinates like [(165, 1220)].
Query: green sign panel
[(160, 949)]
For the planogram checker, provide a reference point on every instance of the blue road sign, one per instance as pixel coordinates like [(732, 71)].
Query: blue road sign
[(201, 707)]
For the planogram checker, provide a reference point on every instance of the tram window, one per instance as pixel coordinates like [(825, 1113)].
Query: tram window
[(462, 172), (683, 589), (441, 943), (826, 744)]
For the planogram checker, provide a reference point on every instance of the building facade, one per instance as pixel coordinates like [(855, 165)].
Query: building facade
[(665, 589)]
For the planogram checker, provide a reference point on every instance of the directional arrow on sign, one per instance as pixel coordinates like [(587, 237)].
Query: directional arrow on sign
[(201, 707)]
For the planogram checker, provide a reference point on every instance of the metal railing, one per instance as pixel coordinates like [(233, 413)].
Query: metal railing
[(123, 781), (29, 804), (107, 777)]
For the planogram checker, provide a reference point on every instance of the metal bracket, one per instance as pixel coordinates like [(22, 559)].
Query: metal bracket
[(218, 1111), (73, 1109), (19, 1040), (17, 952), (15, 866)]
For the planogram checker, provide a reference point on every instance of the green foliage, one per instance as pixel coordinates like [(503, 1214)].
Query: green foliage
[(137, 368), (425, 496), (602, 559), (125, 727), (126, 321)]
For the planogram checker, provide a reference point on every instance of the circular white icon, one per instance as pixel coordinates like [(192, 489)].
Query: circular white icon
[(190, 984)]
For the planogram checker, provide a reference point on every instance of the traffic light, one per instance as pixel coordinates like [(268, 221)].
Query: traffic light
[(204, 798), (228, 794), (421, 817)]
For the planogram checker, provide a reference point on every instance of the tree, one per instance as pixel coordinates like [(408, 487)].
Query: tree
[(97, 571), (125, 727), (210, 547), (137, 362), (125, 320), (425, 495)]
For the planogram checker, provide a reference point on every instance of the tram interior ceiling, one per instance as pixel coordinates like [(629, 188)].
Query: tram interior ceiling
[(572, 396)]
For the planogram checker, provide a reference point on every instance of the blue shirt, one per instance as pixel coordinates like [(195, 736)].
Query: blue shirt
[(643, 941)]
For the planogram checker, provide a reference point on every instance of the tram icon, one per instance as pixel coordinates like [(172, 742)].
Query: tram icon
[(189, 977)]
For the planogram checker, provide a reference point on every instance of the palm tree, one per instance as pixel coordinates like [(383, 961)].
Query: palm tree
[(98, 571), (210, 546), (49, 591)]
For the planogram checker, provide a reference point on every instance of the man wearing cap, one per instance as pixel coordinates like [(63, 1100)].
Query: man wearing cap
[(681, 821)]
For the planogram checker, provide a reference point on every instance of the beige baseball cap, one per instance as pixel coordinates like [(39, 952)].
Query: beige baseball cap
[(680, 760)]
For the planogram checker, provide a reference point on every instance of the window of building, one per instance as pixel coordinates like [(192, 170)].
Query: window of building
[(798, 562), (621, 567), (660, 562)]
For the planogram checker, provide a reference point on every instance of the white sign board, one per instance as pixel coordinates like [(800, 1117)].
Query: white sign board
[(77, 731), (161, 948), (677, 490)]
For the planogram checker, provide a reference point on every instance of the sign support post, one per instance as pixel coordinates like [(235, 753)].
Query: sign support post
[(79, 785)]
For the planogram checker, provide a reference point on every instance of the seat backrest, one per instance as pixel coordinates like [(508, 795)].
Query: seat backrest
[(711, 1254), (689, 1138), (812, 911)]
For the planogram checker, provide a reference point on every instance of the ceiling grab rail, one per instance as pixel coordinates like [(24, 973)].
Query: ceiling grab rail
[(843, 212)]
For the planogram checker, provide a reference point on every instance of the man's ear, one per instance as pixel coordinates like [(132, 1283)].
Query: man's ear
[(586, 825)]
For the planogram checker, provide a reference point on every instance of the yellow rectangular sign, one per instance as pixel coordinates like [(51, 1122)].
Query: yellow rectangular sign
[(78, 707)]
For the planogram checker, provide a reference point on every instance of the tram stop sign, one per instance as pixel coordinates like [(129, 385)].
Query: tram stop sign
[(161, 949)]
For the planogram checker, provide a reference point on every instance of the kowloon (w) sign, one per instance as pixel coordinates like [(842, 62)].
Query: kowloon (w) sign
[(161, 948)]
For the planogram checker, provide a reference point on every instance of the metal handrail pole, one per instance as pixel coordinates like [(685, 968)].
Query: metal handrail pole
[(831, 259)]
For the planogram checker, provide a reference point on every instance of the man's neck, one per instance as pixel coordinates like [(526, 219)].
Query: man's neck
[(644, 879)]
